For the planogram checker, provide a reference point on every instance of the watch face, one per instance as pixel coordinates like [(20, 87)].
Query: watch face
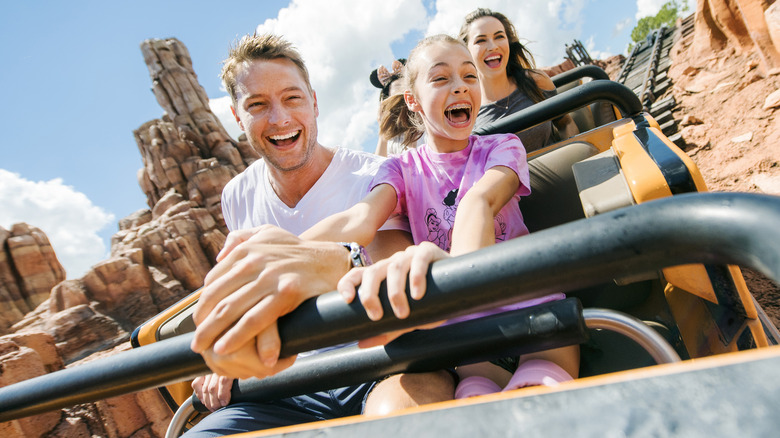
[(358, 256)]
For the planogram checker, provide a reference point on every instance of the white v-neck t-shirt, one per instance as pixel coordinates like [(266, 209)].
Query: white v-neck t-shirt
[(248, 200)]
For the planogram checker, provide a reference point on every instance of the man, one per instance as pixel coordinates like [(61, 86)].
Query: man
[(264, 272)]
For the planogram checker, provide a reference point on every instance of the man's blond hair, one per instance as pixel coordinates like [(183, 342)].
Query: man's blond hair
[(253, 47)]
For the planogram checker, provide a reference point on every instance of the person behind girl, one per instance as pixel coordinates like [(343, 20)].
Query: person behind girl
[(508, 77), (477, 175), (389, 84)]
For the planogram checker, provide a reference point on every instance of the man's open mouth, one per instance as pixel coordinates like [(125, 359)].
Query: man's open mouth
[(458, 114), (284, 139), (493, 61)]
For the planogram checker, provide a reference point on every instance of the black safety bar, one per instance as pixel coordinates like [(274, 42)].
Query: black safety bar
[(559, 105), (543, 327), (714, 228), (577, 73)]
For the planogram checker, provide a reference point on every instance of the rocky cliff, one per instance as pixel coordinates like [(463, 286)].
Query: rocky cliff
[(727, 86), (28, 271), (159, 255)]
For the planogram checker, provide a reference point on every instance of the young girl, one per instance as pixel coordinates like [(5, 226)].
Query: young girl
[(455, 190)]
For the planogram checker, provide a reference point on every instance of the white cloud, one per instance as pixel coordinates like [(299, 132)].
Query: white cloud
[(220, 106), (69, 219), (590, 46), (340, 50), (546, 26), (620, 26), (648, 8)]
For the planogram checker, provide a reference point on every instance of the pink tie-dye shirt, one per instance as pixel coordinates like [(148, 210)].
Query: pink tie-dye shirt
[(430, 185)]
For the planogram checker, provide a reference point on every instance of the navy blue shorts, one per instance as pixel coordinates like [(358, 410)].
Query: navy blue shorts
[(247, 417)]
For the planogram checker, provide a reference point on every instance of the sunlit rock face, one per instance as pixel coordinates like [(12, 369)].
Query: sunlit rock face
[(28, 271), (160, 254)]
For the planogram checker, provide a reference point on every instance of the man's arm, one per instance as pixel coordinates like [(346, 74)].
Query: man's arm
[(262, 274), (258, 280)]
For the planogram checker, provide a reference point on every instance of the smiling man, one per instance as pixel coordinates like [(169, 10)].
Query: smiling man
[(275, 106), (265, 271)]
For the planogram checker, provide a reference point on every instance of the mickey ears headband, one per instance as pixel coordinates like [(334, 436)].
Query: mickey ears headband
[(381, 77)]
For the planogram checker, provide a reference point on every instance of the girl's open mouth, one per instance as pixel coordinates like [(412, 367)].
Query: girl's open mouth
[(458, 114), (493, 61), (284, 139)]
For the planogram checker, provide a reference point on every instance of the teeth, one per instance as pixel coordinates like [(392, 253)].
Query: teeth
[(283, 136), (459, 106), (493, 57)]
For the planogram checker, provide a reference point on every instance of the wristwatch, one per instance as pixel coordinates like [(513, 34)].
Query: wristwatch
[(357, 254)]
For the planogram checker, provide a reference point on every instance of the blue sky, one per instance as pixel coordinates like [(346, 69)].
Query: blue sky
[(75, 86)]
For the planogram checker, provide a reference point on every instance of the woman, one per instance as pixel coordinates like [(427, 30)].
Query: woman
[(508, 78)]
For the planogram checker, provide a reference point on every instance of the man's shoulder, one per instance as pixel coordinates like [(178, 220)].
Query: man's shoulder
[(355, 160), (354, 154), (249, 177)]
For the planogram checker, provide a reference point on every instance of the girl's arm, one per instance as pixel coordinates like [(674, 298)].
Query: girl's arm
[(359, 223), (473, 228)]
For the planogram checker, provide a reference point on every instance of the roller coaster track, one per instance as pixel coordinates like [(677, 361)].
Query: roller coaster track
[(645, 72)]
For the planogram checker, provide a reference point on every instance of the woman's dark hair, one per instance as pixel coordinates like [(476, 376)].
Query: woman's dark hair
[(520, 58)]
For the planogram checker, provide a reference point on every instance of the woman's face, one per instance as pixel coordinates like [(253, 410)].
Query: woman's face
[(489, 46)]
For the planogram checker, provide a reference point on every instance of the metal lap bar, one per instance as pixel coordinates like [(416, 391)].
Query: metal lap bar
[(542, 327), (639, 332), (550, 325), (617, 94), (583, 71)]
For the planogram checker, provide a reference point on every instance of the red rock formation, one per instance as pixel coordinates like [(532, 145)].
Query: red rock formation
[(28, 270), (24, 357), (612, 65), (566, 65), (142, 414), (189, 149), (158, 256), (740, 25)]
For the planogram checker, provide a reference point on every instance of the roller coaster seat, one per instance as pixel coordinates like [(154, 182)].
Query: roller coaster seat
[(591, 116), (554, 198), (561, 180)]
